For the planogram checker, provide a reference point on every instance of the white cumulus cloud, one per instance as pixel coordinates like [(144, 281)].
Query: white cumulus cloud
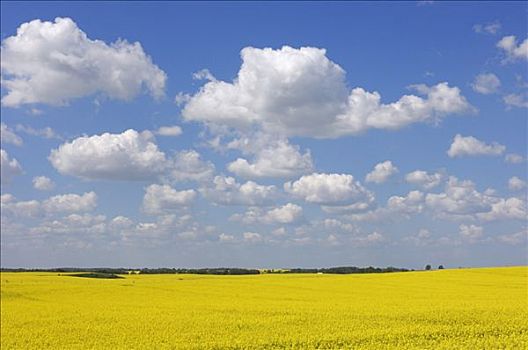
[(328, 189), (252, 237), (512, 208), (188, 165), (9, 167), (514, 238), (381, 172), (489, 28), (159, 199), (512, 49), (174, 130), (127, 156), (471, 232), (423, 179), (286, 214), (225, 190), (398, 207), (486, 83), (276, 158), (471, 146), (55, 62), (46, 132), (71, 203), (461, 200), (516, 100), (43, 183), (516, 184), (7, 135), (514, 158), (300, 92)]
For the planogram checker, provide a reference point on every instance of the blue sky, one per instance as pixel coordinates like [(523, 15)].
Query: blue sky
[(264, 134)]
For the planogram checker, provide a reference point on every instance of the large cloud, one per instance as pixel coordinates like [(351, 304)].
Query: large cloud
[(9, 167), (301, 92), (471, 146), (329, 189), (126, 156), (55, 62)]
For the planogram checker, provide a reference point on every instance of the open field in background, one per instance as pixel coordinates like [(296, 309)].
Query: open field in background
[(483, 308)]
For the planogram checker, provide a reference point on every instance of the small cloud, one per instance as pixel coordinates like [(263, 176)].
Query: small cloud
[(486, 83), (513, 158), (252, 237), (423, 179), (224, 238), (425, 3), (47, 132), (516, 184), (470, 232), (43, 183), (169, 131), (512, 49), (181, 98), (381, 172), (7, 135), (35, 111), (489, 28), (204, 74), (9, 167), (514, 238), (516, 100), (471, 146)]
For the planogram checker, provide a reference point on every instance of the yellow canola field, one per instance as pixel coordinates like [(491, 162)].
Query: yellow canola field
[(485, 308)]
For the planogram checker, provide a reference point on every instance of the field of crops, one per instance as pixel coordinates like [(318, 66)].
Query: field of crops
[(448, 309)]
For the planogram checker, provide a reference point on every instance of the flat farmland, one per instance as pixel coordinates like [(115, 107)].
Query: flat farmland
[(484, 308)]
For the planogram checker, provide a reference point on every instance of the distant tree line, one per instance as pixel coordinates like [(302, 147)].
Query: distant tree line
[(349, 270), (215, 271)]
